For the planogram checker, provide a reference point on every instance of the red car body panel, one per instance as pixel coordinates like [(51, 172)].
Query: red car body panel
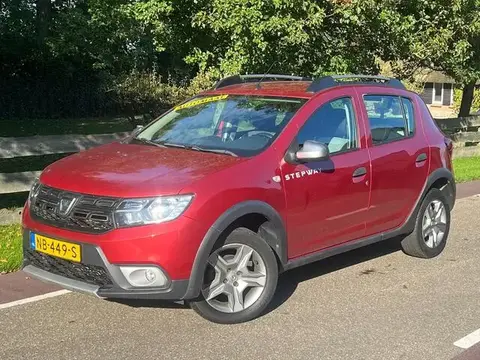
[(319, 211), (172, 245), (129, 170), (328, 208), (397, 179), (294, 89)]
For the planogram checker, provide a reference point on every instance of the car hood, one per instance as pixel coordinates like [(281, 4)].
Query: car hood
[(133, 170)]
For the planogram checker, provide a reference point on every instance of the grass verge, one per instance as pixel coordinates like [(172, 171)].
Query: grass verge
[(10, 248), (467, 169)]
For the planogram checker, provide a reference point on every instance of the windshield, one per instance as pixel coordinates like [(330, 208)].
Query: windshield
[(235, 125)]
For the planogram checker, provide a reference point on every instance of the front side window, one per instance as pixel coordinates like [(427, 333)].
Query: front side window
[(333, 124), (237, 125), (390, 117)]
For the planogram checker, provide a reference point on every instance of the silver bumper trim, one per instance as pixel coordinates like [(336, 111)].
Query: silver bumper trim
[(62, 281)]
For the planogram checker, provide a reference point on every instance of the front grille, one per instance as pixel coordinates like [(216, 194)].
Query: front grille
[(73, 211), (91, 274)]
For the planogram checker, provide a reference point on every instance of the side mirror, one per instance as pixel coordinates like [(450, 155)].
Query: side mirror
[(312, 151)]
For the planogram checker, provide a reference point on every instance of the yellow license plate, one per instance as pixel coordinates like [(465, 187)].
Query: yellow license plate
[(57, 248)]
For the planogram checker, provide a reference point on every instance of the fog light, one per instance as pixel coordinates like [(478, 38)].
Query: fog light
[(144, 276), (150, 275)]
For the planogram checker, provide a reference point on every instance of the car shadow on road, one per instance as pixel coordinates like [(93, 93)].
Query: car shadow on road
[(141, 303), (288, 281)]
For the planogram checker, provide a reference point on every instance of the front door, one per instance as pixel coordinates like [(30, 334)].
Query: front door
[(327, 200)]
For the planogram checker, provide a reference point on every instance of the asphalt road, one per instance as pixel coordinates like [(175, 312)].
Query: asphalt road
[(372, 303)]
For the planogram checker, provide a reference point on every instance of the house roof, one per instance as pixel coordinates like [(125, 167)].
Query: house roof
[(427, 75)]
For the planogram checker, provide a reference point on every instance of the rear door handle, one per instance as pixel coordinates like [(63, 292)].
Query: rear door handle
[(361, 171), (422, 157)]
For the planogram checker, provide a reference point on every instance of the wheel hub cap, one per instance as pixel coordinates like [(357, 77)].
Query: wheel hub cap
[(434, 224), (239, 278)]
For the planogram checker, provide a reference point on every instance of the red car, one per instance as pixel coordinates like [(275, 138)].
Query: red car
[(262, 174)]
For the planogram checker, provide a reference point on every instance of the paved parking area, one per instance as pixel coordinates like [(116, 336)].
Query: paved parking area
[(372, 303)]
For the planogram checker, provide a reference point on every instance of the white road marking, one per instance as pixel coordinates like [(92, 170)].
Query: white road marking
[(469, 340), (34, 298)]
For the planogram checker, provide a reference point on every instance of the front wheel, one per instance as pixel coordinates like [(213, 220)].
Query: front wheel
[(240, 279)]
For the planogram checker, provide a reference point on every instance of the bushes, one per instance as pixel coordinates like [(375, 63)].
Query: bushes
[(145, 94)]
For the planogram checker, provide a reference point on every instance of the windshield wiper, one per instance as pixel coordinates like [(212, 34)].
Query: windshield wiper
[(216, 151), (148, 142), (198, 148)]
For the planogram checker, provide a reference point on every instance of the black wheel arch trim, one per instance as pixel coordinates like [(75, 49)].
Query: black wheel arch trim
[(277, 239), (450, 192), (441, 173)]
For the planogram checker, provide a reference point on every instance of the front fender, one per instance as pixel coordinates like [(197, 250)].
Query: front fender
[(274, 233)]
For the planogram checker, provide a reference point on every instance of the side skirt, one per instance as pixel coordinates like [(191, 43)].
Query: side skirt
[(342, 248)]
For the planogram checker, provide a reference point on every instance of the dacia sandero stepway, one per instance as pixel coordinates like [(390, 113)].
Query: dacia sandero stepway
[(259, 175)]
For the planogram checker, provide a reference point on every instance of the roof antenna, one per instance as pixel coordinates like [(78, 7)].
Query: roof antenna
[(263, 77)]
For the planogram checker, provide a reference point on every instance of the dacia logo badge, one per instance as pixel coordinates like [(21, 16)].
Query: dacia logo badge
[(65, 205)]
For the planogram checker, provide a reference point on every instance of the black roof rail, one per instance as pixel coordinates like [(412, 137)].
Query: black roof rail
[(240, 79), (331, 81)]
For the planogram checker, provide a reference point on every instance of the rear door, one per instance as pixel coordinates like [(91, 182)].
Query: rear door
[(399, 157)]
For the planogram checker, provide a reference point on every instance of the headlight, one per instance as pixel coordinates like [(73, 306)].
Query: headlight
[(132, 212), (34, 190)]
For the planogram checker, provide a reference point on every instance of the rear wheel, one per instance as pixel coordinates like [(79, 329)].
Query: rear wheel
[(432, 226), (240, 279)]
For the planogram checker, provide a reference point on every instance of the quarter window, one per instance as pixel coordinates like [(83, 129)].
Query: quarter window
[(390, 117), (333, 124), (408, 109)]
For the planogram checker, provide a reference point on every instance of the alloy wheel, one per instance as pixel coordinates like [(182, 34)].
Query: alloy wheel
[(235, 278), (434, 223)]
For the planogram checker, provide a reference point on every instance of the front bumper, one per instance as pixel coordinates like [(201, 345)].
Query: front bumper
[(94, 275)]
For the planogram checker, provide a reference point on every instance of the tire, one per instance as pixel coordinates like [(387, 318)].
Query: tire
[(220, 309), (416, 243)]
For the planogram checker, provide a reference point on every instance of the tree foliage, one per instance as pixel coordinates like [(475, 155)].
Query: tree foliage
[(87, 57), (306, 37)]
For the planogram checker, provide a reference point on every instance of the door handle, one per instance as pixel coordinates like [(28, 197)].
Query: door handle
[(422, 157), (361, 171)]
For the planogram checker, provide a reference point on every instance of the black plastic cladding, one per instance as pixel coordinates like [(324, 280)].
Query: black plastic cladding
[(91, 274)]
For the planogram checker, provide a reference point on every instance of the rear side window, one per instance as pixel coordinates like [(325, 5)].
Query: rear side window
[(390, 117)]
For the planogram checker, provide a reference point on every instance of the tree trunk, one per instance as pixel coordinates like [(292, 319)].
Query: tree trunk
[(467, 100), (44, 8)]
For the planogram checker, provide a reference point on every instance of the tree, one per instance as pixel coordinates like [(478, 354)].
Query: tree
[(43, 8), (441, 35), (306, 37), (89, 47)]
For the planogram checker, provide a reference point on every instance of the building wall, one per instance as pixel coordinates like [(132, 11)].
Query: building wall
[(447, 95), (443, 94), (427, 93)]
